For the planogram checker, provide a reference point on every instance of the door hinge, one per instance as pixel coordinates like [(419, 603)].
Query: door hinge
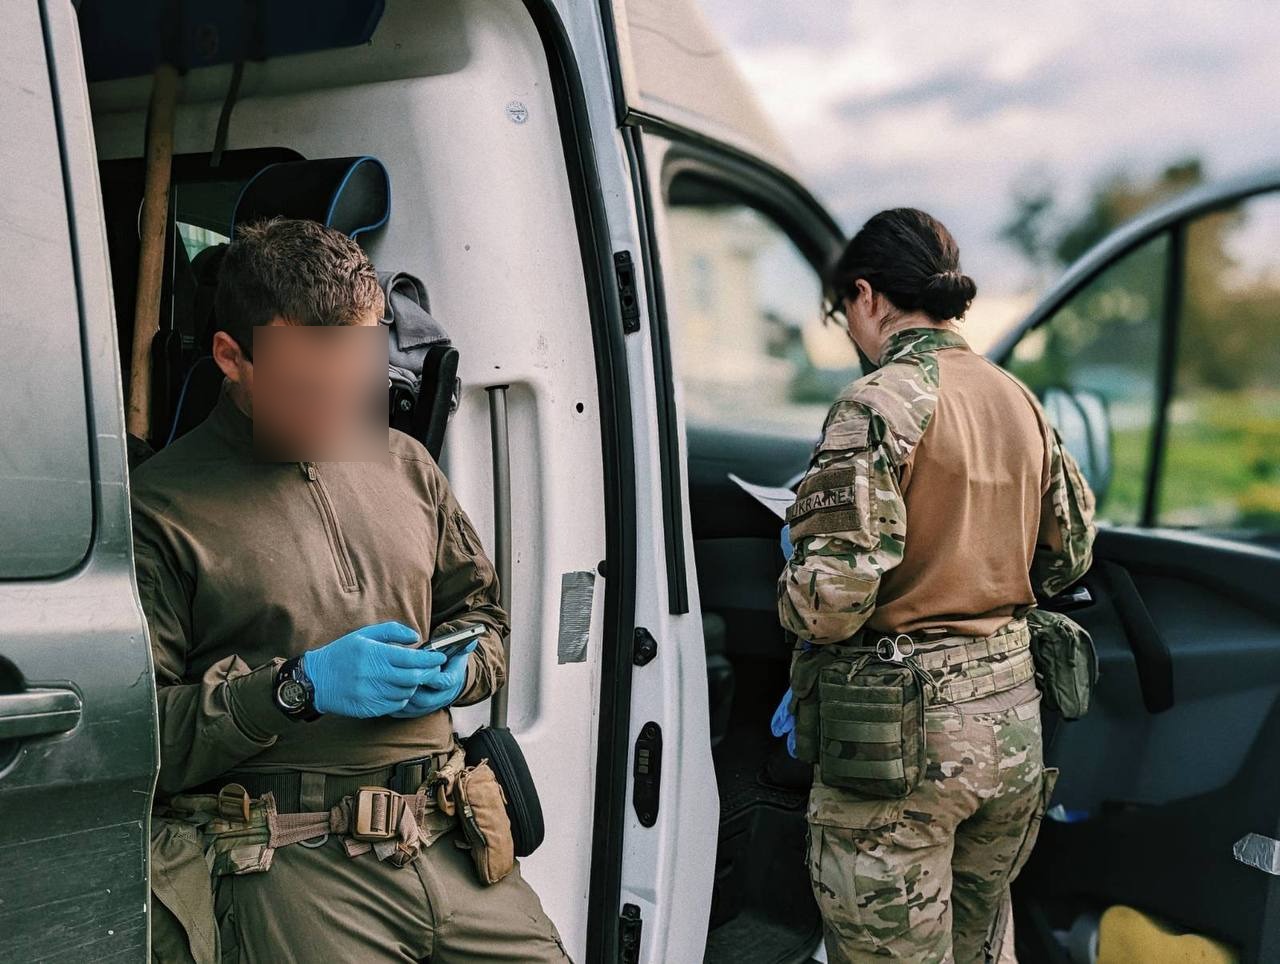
[(624, 270), (629, 925), (644, 647)]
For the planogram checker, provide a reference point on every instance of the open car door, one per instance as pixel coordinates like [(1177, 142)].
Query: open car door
[(1158, 357)]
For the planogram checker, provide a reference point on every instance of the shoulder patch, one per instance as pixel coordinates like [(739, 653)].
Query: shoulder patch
[(847, 434), (904, 393), (832, 501)]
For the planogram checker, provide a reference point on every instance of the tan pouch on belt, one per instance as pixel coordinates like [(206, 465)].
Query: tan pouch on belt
[(482, 811)]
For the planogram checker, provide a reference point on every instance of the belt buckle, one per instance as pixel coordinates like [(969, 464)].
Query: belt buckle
[(375, 813), (233, 803), (896, 649), (399, 770)]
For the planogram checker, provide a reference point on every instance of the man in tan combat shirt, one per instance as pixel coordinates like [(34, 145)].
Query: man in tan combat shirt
[(285, 600), (938, 504)]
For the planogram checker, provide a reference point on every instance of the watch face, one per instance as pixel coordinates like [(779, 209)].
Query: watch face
[(292, 695)]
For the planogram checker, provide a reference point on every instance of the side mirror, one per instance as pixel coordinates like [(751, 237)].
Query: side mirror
[(1082, 419)]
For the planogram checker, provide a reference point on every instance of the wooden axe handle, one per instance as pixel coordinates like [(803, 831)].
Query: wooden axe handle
[(155, 217)]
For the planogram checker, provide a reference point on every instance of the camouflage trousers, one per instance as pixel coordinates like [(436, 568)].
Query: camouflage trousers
[(926, 878)]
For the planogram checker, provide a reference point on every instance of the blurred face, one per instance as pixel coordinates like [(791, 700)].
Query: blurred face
[(315, 393)]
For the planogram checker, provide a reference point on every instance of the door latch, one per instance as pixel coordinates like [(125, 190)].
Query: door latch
[(629, 927), (624, 270), (647, 774)]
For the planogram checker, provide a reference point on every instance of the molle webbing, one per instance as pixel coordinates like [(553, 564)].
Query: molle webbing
[(871, 726), (967, 667)]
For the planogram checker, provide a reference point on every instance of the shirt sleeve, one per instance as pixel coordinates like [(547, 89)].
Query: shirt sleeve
[(848, 526), (1064, 544), (464, 590), (229, 715)]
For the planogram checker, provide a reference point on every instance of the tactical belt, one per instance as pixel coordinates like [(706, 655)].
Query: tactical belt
[(962, 667), (372, 818), (244, 823), (305, 790)]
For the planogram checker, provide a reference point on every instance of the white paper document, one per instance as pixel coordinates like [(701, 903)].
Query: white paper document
[(776, 498)]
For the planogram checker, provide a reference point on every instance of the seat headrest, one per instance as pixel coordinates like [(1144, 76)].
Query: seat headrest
[(351, 194)]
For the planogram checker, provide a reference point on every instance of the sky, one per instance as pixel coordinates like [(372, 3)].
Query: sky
[(951, 107)]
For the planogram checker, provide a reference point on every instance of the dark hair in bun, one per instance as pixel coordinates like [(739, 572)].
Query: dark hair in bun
[(911, 259)]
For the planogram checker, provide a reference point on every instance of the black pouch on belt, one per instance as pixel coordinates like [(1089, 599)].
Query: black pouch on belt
[(871, 726), (1066, 662), (498, 745)]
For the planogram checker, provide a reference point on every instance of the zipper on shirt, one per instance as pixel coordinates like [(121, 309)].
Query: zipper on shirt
[(337, 545)]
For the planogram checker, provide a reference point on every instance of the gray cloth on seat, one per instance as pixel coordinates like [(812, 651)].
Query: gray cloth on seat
[(408, 312), (411, 329)]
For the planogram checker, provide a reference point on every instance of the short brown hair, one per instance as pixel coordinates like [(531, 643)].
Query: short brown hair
[(300, 271)]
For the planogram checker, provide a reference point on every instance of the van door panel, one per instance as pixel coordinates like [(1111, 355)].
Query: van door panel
[(75, 783), (1155, 801)]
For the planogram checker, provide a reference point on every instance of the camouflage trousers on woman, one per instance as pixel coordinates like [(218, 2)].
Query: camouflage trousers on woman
[(926, 878)]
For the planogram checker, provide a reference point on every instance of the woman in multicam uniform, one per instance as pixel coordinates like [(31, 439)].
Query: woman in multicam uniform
[(938, 505)]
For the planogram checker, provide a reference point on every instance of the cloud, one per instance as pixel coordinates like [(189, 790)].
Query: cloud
[(948, 107)]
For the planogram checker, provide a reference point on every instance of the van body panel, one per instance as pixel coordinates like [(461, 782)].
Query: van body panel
[(75, 795)]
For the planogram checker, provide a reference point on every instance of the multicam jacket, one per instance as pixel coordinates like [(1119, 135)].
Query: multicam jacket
[(978, 559)]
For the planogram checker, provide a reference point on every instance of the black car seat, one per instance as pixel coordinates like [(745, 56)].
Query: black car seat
[(352, 194), (202, 379), (173, 348)]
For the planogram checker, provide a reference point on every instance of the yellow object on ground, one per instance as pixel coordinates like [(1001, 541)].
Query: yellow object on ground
[(1128, 936)]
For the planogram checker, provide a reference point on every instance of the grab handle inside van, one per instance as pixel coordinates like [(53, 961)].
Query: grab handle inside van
[(501, 530)]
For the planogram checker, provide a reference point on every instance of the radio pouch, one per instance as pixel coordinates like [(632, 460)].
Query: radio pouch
[(498, 745), (1066, 662)]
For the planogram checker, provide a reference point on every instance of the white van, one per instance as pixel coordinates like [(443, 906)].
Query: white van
[(629, 271)]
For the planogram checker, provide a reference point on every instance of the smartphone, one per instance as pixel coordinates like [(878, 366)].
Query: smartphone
[(452, 643)]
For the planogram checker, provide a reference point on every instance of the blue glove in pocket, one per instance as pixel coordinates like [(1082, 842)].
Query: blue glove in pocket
[(784, 722)]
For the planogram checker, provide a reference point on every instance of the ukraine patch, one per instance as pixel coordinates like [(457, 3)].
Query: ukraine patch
[(828, 502)]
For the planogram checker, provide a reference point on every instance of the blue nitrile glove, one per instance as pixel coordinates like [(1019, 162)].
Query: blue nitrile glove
[(441, 689), (784, 538), (369, 672), (784, 722)]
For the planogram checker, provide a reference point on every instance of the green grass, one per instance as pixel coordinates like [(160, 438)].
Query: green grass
[(1222, 465)]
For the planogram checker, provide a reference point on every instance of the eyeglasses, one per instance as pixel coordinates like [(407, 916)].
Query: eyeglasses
[(833, 312)]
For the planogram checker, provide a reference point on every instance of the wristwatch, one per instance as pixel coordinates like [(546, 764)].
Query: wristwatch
[(295, 695)]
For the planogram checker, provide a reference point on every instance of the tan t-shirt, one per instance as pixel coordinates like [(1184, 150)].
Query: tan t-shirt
[(973, 488), (937, 498)]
